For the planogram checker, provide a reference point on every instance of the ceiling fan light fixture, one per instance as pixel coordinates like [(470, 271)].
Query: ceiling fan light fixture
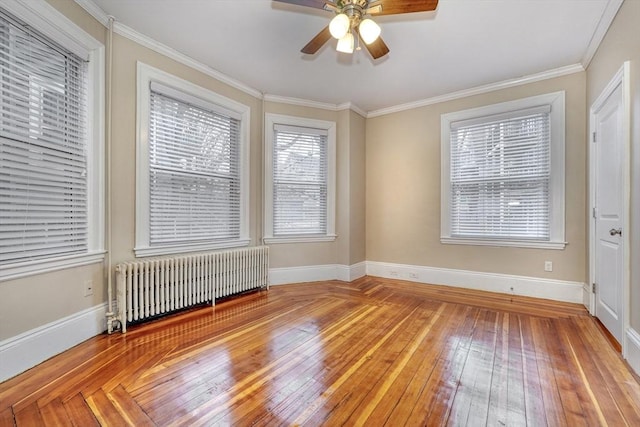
[(369, 31), (345, 44), (339, 26)]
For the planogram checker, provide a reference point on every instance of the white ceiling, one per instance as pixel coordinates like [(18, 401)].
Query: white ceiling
[(463, 44)]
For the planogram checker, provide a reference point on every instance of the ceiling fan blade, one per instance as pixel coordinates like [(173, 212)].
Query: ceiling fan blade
[(394, 7), (317, 42), (316, 4), (377, 49)]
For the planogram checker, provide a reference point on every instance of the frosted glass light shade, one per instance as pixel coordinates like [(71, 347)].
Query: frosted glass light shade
[(345, 44), (369, 31), (339, 26)]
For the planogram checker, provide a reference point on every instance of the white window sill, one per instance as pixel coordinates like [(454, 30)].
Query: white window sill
[(147, 251), (31, 268), (504, 243), (299, 239)]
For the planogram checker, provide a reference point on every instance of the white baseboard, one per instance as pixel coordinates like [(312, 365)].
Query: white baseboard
[(632, 349), (24, 351), (357, 271), (558, 290), (587, 297), (315, 273)]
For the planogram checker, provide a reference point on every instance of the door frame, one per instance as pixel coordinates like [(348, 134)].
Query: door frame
[(621, 78)]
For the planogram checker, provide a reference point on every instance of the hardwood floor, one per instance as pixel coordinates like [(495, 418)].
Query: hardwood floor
[(372, 352)]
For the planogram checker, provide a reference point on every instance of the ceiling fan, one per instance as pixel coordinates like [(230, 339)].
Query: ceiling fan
[(352, 23)]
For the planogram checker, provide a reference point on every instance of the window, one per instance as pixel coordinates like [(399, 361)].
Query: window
[(50, 143), (503, 174), (300, 188), (192, 160)]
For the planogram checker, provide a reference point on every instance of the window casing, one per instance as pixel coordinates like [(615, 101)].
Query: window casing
[(51, 143), (300, 183), (192, 170), (503, 174)]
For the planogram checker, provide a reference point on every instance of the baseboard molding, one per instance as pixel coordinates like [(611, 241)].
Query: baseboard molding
[(587, 297), (632, 349), (315, 273), (24, 351), (558, 290)]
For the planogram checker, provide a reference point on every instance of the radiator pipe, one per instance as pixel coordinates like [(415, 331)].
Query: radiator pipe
[(259, 217), (108, 93)]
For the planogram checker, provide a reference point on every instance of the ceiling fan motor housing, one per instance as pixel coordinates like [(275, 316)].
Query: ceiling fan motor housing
[(354, 9)]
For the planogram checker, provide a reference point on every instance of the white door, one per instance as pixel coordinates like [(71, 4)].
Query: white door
[(608, 213)]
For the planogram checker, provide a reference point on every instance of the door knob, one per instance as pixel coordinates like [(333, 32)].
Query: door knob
[(613, 231)]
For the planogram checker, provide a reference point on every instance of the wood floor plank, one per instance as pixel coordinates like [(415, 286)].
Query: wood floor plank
[(471, 401), (535, 412), (79, 412), (221, 376), (570, 392), (29, 416), (517, 376), (128, 408), (6, 418), (418, 382), (436, 400), (249, 383), (554, 411), (238, 333), (54, 414), (370, 352), (104, 410), (372, 402), (365, 370), (500, 382), (347, 349)]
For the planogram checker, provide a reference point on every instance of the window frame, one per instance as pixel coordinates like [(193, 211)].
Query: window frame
[(54, 25), (556, 101), (330, 127), (145, 76)]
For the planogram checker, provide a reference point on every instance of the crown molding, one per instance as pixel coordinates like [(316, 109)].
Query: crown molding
[(315, 104), (353, 107), (478, 90), (94, 10), (608, 15)]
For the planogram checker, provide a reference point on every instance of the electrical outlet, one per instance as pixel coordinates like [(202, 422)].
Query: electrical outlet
[(88, 288), (548, 266)]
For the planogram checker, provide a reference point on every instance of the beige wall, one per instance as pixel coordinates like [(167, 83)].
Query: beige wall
[(619, 45), (403, 190), (357, 191)]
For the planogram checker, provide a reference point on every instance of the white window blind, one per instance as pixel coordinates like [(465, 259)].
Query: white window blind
[(194, 172), (299, 181), (43, 159), (500, 176)]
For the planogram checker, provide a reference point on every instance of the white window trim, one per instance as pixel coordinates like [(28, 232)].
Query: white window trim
[(46, 19), (145, 75), (557, 181), (330, 127)]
